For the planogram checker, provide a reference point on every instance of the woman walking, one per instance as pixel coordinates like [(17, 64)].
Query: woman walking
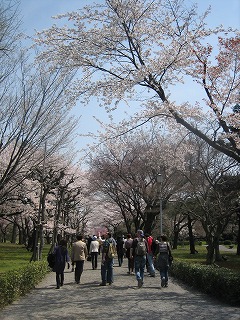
[(120, 250), (94, 247), (164, 252), (61, 257), (129, 255)]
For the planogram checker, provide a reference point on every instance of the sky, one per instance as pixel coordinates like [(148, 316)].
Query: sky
[(36, 16)]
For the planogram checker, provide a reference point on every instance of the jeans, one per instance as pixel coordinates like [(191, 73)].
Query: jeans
[(139, 264), (130, 264), (164, 265), (120, 259), (150, 263), (78, 270), (107, 271), (164, 273)]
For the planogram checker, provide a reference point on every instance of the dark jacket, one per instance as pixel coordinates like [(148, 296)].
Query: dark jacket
[(61, 257)]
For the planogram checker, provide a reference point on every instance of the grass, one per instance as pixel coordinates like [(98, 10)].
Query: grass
[(232, 260), (14, 256)]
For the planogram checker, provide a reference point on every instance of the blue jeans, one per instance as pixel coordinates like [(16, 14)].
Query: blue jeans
[(164, 273), (150, 263), (139, 265), (107, 271)]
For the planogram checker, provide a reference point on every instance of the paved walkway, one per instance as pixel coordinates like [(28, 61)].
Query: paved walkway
[(121, 301)]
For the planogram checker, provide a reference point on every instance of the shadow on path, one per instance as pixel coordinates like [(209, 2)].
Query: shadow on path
[(123, 300)]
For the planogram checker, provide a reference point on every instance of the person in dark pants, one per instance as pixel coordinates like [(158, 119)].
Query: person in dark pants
[(61, 257), (120, 250), (79, 255), (164, 252), (128, 248), (94, 247)]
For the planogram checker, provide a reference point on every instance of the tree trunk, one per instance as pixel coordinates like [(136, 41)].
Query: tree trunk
[(210, 253), (14, 233), (238, 236), (191, 238), (218, 256), (41, 233), (175, 238), (20, 235), (150, 219)]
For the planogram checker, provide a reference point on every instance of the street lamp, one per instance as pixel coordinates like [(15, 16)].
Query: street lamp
[(160, 181)]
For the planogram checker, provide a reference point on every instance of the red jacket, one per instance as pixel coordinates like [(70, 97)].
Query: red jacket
[(149, 244)]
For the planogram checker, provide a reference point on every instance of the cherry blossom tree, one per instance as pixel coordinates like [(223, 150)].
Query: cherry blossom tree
[(60, 201), (9, 40), (211, 193), (141, 50), (34, 109), (124, 173), (196, 179)]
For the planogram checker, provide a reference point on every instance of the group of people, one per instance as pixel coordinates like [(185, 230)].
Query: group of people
[(141, 251)]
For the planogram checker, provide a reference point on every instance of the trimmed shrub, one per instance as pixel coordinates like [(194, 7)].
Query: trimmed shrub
[(218, 282), (14, 284)]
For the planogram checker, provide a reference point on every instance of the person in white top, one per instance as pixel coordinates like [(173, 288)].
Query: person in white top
[(94, 251)]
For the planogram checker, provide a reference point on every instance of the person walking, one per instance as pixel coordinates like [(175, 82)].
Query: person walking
[(129, 254), (150, 242), (163, 253), (94, 247), (120, 250), (61, 257), (139, 247), (109, 245), (79, 254)]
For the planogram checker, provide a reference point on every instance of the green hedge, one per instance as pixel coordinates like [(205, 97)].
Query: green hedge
[(14, 284), (218, 282)]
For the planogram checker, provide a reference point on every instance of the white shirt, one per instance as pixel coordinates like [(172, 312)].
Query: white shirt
[(94, 246)]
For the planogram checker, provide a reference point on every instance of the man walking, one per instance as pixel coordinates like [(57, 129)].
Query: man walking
[(151, 268), (108, 251), (79, 254), (139, 247)]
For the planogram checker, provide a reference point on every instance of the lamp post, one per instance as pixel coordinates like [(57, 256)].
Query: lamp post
[(160, 181)]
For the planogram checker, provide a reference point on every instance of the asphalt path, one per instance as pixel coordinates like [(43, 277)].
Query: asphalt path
[(123, 300)]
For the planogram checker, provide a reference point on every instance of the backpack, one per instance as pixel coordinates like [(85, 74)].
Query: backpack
[(51, 259), (111, 251), (141, 249)]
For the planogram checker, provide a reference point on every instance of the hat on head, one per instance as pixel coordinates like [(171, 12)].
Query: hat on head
[(141, 233), (94, 237)]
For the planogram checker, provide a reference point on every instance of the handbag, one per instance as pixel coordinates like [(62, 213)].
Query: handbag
[(170, 257), (156, 262), (89, 258)]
